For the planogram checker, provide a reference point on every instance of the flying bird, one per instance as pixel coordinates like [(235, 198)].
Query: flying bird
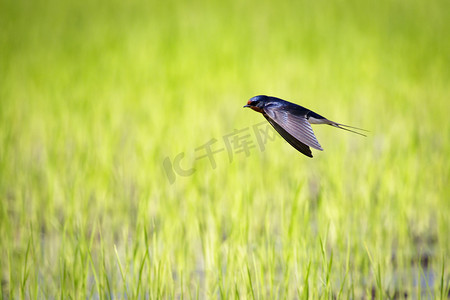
[(293, 122)]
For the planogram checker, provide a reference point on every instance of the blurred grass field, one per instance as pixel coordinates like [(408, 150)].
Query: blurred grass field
[(95, 95)]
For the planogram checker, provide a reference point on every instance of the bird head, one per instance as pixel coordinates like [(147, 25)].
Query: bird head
[(257, 103)]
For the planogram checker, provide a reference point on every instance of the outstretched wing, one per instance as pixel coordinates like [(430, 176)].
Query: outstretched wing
[(296, 125), (290, 139)]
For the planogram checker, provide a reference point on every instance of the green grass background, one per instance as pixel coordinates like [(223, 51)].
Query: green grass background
[(94, 95)]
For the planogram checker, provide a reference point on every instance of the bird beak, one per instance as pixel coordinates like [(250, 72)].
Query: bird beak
[(247, 105)]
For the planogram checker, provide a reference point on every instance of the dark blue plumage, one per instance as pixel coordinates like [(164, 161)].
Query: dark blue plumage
[(293, 121)]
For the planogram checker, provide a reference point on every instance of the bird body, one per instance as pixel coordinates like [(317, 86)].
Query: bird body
[(293, 122)]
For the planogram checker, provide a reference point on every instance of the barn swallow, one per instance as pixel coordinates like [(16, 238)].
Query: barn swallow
[(293, 122)]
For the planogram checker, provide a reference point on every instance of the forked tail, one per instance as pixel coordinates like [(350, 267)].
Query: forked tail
[(345, 127)]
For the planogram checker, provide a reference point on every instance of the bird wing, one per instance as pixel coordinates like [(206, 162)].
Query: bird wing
[(290, 139), (296, 126)]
